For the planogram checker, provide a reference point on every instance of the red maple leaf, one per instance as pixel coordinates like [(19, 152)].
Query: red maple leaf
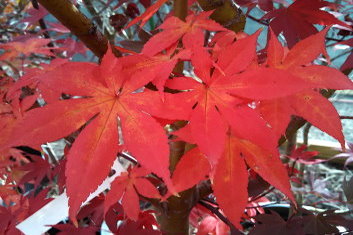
[(108, 100), (157, 67), (192, 168), (221, 98), (296, 21), (147, 14), (35, 15), (25, 48), (212, 225), (126, 188), (93, 210), (35, 170), (190, 31), (231, 170), (309, 104), (306, 157)]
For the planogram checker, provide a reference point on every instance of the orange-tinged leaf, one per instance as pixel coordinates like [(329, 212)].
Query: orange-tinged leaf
[(167, 37), (157, 67), (317, 110), (131, 203), (237, 57), (277, 114), (142, 130), (98, 139), (308, 103), (201, 21), (212, 225), (213, 108), (268, 165), (190, 31), (190, 170), (307, 50), (262, 83), (209, 129), (124, 188), (323, 77), (184, 134), (108, 101), (146, 188), (202, 63), (275, 51), (33, 76), (182, 83), (230, 182), (116, 191), (62, 118), (246, 123), (147, 14), (33, 45)]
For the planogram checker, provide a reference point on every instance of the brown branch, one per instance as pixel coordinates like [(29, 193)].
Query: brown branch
[(204, 189), (181, 9), (225, 13), (177, 148), (67, 13), (306, 133)]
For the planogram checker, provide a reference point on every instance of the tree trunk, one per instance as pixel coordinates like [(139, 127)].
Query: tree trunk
[(173, 216), (174, 223)]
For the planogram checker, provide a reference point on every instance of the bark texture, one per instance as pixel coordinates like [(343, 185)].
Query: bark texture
[(67, 13)]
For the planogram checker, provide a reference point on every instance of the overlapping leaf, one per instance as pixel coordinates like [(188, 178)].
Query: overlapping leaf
[(126, 187), (230, 182), (190, 31), (191, 169), (296, 21), (212, 105), (25, 48), (309, 104), (231, 177), (156, 68), (106, 100), (147, 14)]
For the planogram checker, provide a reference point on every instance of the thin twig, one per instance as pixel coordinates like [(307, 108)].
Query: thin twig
[(306, 133), (258, 20), (254, 207), (128, 157), (262, 194), (335, 39), (215, 210), (346, 117), (340, 55), (43, 25)]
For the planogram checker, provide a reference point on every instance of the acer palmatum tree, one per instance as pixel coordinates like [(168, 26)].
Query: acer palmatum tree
[(197, 105)]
